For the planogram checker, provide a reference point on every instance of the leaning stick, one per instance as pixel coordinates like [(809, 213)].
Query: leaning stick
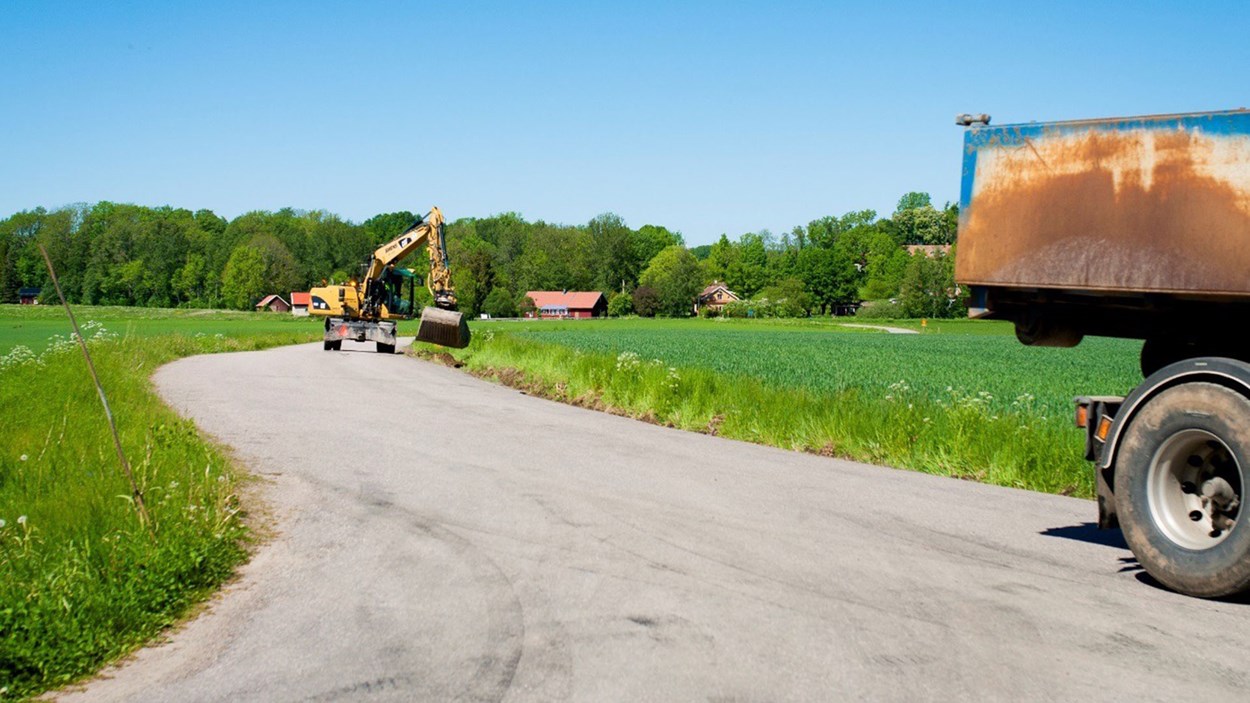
[(142, 509)]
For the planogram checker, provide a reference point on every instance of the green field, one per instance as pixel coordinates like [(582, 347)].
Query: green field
[(963, 398), (33, 326), (950, 359), (82, 582)]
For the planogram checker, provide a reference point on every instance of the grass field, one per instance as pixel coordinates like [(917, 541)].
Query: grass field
[(83, 582), (963, 398), (33, 326)]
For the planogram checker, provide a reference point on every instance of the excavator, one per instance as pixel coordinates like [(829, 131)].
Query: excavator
[(370, 308)]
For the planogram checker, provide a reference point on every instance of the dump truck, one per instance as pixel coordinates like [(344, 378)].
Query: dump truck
[(1136, 228), (370, 307)]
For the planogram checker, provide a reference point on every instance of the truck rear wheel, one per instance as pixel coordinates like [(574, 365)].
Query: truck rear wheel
[(332, 346), (1179, 482), (386, 348)]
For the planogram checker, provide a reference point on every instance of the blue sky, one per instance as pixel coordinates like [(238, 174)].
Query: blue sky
[(704, 117)]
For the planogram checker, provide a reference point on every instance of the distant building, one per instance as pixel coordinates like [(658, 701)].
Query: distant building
[(929, 250), (28, 296), (273, 303), (555, 304), (300, 303), (715, 296)]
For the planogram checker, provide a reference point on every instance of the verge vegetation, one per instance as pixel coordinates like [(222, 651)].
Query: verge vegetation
[(974, 406), (83, 582)]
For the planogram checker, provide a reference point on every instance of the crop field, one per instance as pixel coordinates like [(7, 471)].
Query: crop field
[(36, 326), (950, 359), (962, 398)]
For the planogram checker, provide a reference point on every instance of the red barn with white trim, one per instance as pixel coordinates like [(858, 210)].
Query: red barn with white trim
[(556, 304)]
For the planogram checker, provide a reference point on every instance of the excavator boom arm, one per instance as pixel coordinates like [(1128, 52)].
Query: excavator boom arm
[(428, 233)]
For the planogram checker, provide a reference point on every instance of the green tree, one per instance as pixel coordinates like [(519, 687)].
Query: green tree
[(646, 301), (747, 272), (382, 228), (620, 304), (258, 268), (913, 200), (499, 303), (928, 288), (828, 275), (525, 305), (614, 260), (650, 240), (923, 225), (676, 277), (884, 274), (787, 298), (243, 280)]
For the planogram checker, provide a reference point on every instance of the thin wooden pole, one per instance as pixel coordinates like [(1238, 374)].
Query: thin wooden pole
[(108, 413)]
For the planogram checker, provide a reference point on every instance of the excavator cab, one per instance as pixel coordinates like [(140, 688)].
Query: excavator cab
[(401, 292)]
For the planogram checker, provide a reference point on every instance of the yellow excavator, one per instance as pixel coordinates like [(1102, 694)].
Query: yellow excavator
[(370, 308)]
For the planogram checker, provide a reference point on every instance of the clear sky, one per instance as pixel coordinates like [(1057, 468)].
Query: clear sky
[(703, 117)]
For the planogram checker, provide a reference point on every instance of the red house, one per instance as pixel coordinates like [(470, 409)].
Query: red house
[(300, 303), (273, 303), (555, 304)]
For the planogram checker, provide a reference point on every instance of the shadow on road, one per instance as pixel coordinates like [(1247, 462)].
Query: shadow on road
[(1088, 532)]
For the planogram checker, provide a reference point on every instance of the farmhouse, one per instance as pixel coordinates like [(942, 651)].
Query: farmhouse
[(273, 303), (299, 303), (28, 296), (555, 304), (715, 296)]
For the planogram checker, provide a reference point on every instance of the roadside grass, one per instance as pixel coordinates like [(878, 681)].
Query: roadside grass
[(83, 583), (974, 406)]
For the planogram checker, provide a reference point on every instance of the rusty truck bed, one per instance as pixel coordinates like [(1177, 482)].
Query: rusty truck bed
[(1144, 205)]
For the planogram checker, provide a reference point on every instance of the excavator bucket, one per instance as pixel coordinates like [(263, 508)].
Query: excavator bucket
[(443, 327)]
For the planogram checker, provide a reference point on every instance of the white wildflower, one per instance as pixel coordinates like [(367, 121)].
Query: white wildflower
[(21, 519), (23, 457)]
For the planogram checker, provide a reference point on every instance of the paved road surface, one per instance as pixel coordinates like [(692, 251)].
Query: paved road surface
[(443, 538)]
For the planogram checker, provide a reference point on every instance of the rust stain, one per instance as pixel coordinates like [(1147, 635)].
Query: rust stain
[(1115, 211)]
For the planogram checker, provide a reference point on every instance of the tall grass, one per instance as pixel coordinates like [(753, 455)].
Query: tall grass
[(960, 435), (81, 580)]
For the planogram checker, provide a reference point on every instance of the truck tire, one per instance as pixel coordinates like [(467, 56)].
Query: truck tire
[(332, 346), (1179, 481), (386, 348)]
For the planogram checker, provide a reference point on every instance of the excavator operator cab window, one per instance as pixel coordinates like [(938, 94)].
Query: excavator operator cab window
[(396, 302)]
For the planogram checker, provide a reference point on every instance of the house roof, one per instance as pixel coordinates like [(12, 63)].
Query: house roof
[(301, 298), (579, 300), (268, 299), (713, 287), (28, 292)]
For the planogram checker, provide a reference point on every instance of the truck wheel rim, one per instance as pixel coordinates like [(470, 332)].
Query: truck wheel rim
[(1194, 489)]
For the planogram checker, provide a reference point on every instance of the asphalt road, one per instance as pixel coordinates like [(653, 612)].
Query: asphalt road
[(444, 538)]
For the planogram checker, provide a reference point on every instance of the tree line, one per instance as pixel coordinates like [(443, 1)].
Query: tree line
[(121, 254)]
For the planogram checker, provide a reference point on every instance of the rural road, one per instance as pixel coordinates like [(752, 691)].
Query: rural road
[(443, 538)]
